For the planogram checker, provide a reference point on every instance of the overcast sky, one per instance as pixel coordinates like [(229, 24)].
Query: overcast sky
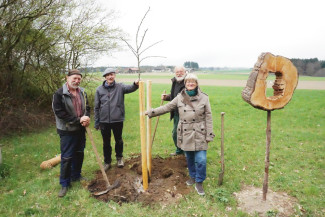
[(220, 33)]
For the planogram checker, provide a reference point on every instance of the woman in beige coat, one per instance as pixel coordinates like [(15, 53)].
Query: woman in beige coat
[(195, 129)]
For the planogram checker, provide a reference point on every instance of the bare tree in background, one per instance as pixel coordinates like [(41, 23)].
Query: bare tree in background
[(88, 33), (138, 50)]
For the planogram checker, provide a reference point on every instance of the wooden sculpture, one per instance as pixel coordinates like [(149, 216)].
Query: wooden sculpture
[(284, 85), (255, 94)]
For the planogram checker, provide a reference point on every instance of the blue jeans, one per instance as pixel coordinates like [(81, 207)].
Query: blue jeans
[(197, 164), (72, 156)]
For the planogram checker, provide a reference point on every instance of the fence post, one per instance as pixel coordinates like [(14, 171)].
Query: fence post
[(143, 136)]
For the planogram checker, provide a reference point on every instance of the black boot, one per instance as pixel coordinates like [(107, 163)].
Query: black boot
[(63, 191)]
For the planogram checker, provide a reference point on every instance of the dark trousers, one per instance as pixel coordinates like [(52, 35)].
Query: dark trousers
[(174, 132), (117, 129), (72, 156)]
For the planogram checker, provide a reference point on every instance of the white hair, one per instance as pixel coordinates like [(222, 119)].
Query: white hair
[(179, 67), (191, 76)]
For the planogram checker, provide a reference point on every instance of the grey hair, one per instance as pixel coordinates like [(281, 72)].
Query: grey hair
[(191, 76), (179, 67)]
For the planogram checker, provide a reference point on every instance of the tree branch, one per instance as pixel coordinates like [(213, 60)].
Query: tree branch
[(151, 57), (150, 46), (136, 37), (131, 48), (144, 35)]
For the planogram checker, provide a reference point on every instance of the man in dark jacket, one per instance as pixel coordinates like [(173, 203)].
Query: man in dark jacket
[(110, 114), (72, 112), (177, 86)]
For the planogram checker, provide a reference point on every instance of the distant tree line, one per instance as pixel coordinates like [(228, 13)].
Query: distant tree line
[(193, 65), (310, 67), (94, 69)]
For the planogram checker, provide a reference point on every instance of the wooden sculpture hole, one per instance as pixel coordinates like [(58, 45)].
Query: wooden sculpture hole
[(278, 85)]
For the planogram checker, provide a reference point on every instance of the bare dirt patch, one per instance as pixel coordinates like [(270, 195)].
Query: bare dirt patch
[(167, 184), (250, 200)]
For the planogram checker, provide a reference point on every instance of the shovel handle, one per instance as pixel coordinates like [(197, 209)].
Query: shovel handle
[(97, 156)]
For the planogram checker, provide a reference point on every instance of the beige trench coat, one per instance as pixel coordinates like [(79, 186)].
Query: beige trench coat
[(195, 127)]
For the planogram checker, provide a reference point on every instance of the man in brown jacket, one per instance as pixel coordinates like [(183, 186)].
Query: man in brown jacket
[(194, 130)]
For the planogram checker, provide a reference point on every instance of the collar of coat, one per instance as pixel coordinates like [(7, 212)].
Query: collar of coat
[(66, 89), (188, 99), (106, 85)]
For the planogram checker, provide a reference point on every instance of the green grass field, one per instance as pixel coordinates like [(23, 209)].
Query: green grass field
[(297, 160)]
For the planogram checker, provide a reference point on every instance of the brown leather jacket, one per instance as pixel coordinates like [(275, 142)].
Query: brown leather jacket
[(195, 128)]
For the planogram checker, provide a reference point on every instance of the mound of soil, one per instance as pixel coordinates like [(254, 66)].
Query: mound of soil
[(250, 200), (167, 184)]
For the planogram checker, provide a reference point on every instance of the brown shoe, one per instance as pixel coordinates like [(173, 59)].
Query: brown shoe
[(199, 188), (191, 181)]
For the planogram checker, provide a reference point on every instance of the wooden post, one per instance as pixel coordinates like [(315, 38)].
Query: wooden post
[(0, 155), (267, 155), (51, 162), (143, 136), (222, 151), (149, 144)]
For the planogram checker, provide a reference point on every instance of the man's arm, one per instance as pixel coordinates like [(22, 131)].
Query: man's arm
[(130, 88), (96, 109)]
